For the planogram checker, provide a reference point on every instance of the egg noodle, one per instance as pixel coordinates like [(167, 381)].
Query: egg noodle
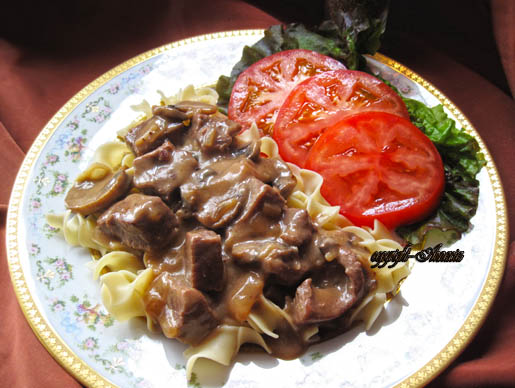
[(124, 277)]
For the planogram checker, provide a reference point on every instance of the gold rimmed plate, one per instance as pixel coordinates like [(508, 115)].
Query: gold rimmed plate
[(439, 310)]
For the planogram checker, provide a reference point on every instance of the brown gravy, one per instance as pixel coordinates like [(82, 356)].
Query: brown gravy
[(228, 237)]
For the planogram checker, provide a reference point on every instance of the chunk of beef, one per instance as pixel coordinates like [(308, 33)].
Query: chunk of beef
[(219, 193), (263, 201), (355, 273), (337, 286), (264, 252), (238, 169), (203, 264), (315, 304), (211, 202), (256, 237), (278, 174), (275, 259), (182, 312), (297, 227), (163, 170), (139, 222), (260, 218), (271, 171), (339, 243), (151, 133), (250, 149), (220, 210), (213, 133)]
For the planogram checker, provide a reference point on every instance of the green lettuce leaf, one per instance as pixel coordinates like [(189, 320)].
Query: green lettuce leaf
[(455, 145), (358, 25), (462, 161)]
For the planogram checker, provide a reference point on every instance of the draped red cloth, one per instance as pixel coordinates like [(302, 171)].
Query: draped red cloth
[(50, 50)]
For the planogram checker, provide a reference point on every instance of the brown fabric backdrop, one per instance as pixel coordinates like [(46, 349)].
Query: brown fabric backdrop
[(50, 50)]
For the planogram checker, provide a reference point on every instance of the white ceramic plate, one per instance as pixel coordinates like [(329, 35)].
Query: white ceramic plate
[(422, 330)]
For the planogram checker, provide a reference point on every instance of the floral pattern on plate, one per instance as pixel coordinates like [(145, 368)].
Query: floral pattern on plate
[(81, 318), (127, 355)]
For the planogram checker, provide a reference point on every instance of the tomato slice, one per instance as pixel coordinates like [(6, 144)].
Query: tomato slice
[(323, 100), (260, 90), (378, 165)]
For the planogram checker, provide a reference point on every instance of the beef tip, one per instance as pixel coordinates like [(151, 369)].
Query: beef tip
[(264, 251), (286, 264), (279, 260), (316, 302), (213, 133), (238, 169), (255, 237), (348, 252), (151, 133), (334, 288), (212, 201), (163, 170), (278, 174), (339, 243), (284, 181), (263, 199), (248, 149), (356, 274), (139, 222), (297, 227), (219, 211), (260, 219), (204, 265), (182, 312), (218, 193)]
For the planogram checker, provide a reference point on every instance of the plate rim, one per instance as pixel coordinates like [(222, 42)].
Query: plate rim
[(85, 374)]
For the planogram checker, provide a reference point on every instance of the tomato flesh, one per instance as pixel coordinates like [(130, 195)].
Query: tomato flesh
[(260, 90), (377, 165), (325, 99)]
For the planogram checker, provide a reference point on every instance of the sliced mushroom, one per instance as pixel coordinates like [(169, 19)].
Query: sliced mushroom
[(184, 110), (96, 189), (170, 112), (196, 106)]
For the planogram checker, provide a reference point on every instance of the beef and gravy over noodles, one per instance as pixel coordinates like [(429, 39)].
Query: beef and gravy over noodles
[(206, 211)]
